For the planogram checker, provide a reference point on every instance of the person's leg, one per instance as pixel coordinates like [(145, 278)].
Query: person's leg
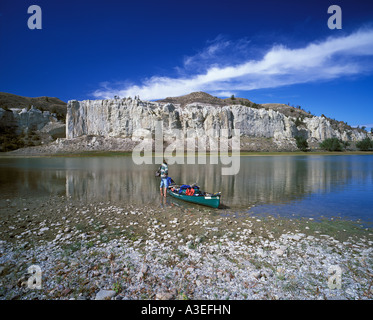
[(161, 187), (165, 184)]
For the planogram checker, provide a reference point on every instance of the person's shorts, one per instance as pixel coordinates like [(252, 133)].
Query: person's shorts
[(164, 183)]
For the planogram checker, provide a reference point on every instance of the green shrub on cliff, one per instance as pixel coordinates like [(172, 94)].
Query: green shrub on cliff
[(332, 144), (365, 144), (9, 140), (299, 121), (302, 143)]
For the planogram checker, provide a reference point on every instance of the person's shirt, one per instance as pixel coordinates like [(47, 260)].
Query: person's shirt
[(164, 170)]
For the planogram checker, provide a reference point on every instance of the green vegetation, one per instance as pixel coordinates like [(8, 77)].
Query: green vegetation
[(302, 143), (332, 144), (117, 287), (299, 121), (338, 228), (9, 140), (345, 144), (251, 104), (365, 144), (59, 115), (256, 106), (71, 248)]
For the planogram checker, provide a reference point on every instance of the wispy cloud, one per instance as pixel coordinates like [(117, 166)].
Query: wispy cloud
[(226, 66)]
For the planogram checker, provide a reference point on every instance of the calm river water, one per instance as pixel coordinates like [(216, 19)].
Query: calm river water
[(301, 186)]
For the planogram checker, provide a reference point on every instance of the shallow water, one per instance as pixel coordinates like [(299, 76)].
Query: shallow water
[(300, 186)]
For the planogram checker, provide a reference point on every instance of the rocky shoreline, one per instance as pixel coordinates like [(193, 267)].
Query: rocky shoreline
[(116, 251), (100, 145), (92, 143)]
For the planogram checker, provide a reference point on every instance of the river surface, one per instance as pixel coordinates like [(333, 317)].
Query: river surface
[(296, 186)]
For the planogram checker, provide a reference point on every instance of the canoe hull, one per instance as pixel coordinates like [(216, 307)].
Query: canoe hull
[(213, 201)]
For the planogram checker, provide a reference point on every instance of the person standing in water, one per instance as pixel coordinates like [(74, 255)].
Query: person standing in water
[(164, 175)]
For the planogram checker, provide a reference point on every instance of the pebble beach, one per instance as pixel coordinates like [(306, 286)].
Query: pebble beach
[(108, 250)]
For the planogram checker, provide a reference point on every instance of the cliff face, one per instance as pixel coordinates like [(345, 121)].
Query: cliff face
[(25, 120), (133, 118)]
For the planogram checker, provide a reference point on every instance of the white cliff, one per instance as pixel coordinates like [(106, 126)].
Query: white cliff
[(133, 118)]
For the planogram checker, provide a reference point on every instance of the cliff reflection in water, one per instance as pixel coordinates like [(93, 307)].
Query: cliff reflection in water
[(336, 182), (112, 179), (261, 180)]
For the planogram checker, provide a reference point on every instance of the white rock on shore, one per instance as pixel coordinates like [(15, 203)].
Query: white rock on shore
[(105, 294)]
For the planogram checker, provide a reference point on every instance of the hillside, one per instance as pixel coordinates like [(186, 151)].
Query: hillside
[(51, 104), (203, 97), (41, 121)]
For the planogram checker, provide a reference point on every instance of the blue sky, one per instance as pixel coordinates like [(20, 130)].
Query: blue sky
[(266, 51)]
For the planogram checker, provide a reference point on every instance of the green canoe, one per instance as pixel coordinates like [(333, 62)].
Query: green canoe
[(210, 201)]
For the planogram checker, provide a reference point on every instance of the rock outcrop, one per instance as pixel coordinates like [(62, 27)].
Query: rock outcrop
[(26, 120), (135, 119), (28, 127)]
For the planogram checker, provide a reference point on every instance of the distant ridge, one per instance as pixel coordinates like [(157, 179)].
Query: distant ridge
[(54, 105), (203, 97)]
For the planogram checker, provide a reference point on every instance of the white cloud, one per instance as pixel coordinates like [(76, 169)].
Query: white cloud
[(212, 70)]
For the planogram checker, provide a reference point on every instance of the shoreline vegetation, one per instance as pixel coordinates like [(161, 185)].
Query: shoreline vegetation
[(106, 250)]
